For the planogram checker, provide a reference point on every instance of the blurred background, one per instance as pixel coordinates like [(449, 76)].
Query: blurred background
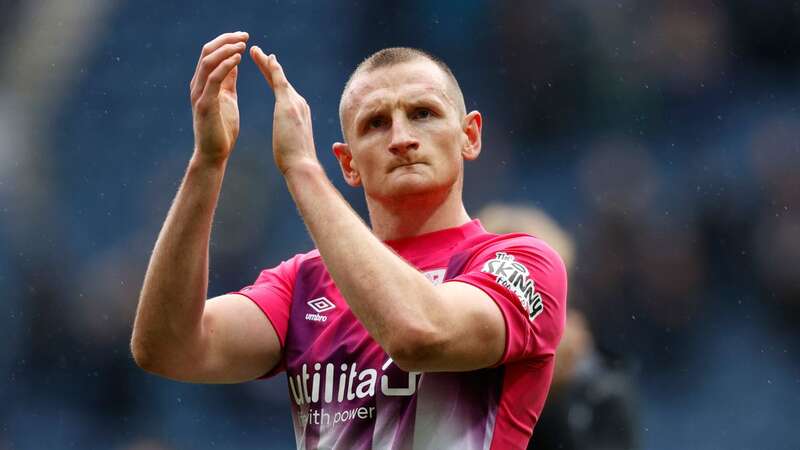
[(663, 138)]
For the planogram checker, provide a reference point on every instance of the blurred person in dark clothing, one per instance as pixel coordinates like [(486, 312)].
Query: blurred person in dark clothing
[(591, 404), (640, 257), (775, 157)]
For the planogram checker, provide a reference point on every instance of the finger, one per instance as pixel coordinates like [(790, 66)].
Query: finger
[(229, 83), (272, 71), (219, 74), (219, 41), (261, 60), (222, 39), (210, 62)]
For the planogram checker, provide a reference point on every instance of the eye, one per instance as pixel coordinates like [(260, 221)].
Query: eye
[(422, 113), (376, 122)]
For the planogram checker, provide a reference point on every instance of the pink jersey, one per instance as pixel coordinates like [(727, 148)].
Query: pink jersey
[(345, 391)]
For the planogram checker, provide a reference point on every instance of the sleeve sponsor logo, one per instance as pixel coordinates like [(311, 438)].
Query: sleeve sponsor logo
[(516, 278)]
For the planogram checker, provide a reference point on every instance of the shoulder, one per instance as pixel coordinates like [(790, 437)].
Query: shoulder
[(311, 255), (287, 269), (517, 244), (514, 259), (301, 258)]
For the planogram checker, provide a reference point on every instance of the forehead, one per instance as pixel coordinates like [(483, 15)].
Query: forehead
[(409, 79)]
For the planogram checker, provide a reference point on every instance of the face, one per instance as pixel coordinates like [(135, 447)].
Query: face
[(406, 134)]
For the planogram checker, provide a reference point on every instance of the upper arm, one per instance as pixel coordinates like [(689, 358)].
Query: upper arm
[(239, 342), (242, 333), (234, 342), (237, 337)]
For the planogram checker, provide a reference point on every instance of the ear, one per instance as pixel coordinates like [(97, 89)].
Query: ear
[(472, 124), (349, 171)]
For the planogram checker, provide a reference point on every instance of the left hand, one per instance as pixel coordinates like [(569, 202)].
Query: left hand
[(292, 136)]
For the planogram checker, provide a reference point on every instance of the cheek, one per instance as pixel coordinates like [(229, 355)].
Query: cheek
[(449, 142), (366, 165), (449, 131)]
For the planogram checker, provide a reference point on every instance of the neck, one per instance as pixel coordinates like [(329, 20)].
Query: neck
[(416, 215)]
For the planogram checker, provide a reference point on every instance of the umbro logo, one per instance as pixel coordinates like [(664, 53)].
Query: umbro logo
[(436, 276), (319, 305)]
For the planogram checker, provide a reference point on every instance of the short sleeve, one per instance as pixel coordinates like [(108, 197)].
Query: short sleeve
[(527, 280), (272, 292)]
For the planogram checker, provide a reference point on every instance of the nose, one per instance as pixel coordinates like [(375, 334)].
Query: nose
[(403, 140)]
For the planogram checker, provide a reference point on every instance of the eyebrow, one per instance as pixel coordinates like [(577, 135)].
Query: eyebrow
[(371, 107)]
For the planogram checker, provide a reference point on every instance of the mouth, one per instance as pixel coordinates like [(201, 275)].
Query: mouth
[(407, 164)]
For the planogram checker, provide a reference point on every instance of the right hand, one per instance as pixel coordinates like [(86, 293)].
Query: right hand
[(215, 111), (292, 137)]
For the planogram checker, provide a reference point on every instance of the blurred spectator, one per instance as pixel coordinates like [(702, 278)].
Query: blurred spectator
[(775, 150), (537, 61), (640, 261), (592, 405)]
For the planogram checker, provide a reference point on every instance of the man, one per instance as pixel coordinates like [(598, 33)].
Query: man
[(424, 332)]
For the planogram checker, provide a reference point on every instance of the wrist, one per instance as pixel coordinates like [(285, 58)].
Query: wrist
[(303, 170), (199, 161)]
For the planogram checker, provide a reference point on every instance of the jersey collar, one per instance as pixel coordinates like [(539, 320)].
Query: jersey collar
[(446, 238)]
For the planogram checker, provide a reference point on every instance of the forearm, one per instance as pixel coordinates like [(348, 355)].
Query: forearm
[(169, 315), (376, 283)]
